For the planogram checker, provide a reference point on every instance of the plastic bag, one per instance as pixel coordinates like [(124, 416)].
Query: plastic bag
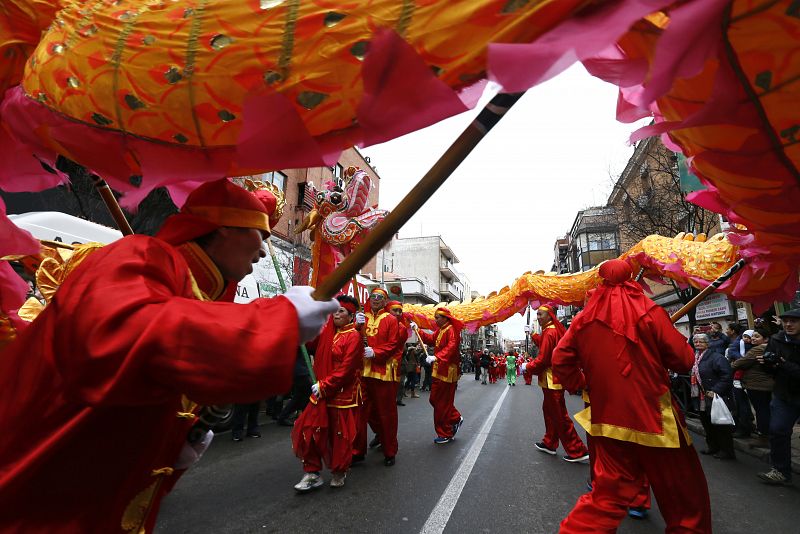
[(720, 414)]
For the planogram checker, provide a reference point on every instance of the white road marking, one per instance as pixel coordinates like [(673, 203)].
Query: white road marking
[(440, 515)]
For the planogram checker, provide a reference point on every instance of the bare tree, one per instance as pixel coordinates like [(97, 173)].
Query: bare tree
[(651, 201)]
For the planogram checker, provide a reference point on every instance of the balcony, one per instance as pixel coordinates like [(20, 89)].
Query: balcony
[(447, 268), (449, 292), (419, 290)]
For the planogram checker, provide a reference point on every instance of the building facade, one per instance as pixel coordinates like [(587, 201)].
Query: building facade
[(427, 259), (592, 239)]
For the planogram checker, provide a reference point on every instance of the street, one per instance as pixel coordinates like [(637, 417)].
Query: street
[(490, 481)]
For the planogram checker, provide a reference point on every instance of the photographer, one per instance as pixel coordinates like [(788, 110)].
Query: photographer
[(782, 359)]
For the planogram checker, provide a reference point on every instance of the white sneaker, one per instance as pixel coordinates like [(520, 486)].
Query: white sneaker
[(338, 480), (310, 481), (576, 459)]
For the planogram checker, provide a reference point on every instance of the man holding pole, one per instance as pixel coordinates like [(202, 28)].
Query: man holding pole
[(557, 423), (338, 358), (101, 390), (445, 364), (380, 408), (618, 349)]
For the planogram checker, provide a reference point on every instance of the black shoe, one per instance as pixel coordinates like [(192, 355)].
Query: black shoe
[(708, 452), (236, 437), (401, 403), (388, 461), (285, 422), (253, 434), (357, 458), (376, 441)]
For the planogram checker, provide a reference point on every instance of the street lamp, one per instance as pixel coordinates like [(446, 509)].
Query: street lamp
[(527, 329)]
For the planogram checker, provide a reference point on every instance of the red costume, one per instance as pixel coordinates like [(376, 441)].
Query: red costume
[(380, 402), (100, 390), (444, 374), (619, 349), (557, 423), (337, 361)]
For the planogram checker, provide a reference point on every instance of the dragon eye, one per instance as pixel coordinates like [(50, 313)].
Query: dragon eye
[(320, 198), (336, 198)]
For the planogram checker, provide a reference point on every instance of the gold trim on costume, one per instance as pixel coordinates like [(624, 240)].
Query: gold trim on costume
[(546, 380), (237, 217), (667, 438), (209, 269)]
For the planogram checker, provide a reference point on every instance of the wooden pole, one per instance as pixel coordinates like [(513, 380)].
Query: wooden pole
[(416, 198), (724, 277), (113, 206)]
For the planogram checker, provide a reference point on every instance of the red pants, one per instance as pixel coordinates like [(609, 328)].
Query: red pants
[(341, 431), (620, 471), (380, 410), (445, 414), (558, 426), (642, 499)]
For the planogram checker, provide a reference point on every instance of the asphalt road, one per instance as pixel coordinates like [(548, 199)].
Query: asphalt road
[(501, 484)]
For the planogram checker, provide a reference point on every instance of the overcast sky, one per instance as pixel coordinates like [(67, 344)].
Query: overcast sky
[(503, 208)]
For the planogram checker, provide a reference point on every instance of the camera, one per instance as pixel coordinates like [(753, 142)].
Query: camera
[(770, 358)]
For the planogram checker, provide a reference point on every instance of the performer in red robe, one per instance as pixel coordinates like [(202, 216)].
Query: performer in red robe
[(557, 423), (101, 390), (380, 408), (338, 358), (445, 364), (396, 309), (619, 349)]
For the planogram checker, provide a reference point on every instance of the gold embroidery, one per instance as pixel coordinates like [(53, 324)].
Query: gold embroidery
[(373, 322)]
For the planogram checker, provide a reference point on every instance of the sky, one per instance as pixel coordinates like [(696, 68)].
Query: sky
[(556, 152)]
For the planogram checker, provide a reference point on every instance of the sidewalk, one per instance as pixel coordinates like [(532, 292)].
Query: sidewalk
[(761, 453)]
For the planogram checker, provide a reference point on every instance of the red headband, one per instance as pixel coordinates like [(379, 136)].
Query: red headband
[(349, 306), (393, 304)]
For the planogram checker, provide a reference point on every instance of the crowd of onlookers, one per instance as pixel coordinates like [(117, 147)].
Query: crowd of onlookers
[(756, 373)]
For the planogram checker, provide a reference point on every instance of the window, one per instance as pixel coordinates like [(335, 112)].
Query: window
[(338, 172), (276, 178)]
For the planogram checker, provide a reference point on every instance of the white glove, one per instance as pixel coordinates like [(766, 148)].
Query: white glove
[(414, 325), (430, 359), (192, 452), (315, 390), (361, 318), (523, 367), (311, 314), (369, 352)]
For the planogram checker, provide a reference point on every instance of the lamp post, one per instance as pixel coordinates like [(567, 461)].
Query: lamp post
[(527, 329)]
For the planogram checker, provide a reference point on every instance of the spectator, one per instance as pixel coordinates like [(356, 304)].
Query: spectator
[(745, 344), (486, 362), (717, 341), (734, 334), (782, 359), (250, 411), (426, 381), (411, 367), (711, 376), (301, 390), (743, 414), (758, 383)]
